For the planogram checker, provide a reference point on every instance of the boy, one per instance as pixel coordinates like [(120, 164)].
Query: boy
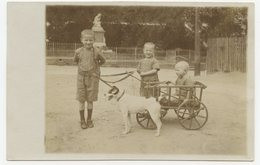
[(89, 61), (182, 94), (148, 68)]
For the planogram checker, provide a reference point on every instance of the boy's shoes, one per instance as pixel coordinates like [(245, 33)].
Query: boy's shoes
[(90, 124), (83, 125)]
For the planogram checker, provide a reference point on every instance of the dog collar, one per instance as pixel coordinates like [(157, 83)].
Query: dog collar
[(120, 96)]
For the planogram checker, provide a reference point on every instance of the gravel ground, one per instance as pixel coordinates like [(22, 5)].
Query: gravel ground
[(225, 133)]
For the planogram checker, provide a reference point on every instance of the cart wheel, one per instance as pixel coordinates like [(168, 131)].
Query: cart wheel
[(193, 115), (145, 120)]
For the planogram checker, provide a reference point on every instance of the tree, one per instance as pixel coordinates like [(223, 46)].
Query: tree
[(135, 25), (220, 22)]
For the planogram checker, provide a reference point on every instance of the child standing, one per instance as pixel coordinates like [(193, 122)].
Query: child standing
[(89, 61), (148, 68)]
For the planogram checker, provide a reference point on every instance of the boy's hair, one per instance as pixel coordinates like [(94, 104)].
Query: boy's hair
[(183, 65), (149, 44), (87, 33)]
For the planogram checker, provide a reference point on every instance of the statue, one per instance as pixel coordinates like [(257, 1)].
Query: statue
[(99, 32), (97, 20)]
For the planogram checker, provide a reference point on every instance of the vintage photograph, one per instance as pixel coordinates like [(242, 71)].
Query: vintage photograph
[(148, 80)]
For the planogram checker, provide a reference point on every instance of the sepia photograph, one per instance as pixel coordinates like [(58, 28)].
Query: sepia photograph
[(148, 81)]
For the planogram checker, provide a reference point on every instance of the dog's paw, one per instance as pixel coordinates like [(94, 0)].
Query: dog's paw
[(125, 132), (157, 134)]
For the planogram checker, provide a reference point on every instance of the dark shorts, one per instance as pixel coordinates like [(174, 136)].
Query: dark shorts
[(87, 87)]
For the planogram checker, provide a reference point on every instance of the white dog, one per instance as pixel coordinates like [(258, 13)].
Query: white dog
[(132, 104)]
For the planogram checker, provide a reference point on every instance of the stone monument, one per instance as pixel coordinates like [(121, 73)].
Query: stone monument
[(99, 32)]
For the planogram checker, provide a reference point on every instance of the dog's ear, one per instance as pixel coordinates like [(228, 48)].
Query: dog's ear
[(114, 90)]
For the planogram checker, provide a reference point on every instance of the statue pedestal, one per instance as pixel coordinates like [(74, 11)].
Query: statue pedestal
[(99, 36)]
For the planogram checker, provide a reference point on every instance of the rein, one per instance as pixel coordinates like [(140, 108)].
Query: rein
[(128, 74), (111, 75), (118, 74), (120, 96)]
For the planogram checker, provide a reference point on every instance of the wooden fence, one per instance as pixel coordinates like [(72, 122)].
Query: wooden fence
[(226, 54)]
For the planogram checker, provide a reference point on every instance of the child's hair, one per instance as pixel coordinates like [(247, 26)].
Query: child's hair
[(183, 65), (87, 33), (150, 44)]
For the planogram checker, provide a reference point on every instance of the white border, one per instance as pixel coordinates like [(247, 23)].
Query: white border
[(3, 94)]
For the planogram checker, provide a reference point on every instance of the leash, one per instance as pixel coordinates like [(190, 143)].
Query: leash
[(103, 80), (129, 74), (121, 96), (150, 82), (155, 83), (113, 82), (118, 74)]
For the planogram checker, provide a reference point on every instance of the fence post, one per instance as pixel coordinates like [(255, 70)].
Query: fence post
[(116, 53), (175, 55), (53, 49), (135, 53), (75, 46), (189, 57)]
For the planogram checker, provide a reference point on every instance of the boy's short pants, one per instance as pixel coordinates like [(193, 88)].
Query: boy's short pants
[(87, 87)]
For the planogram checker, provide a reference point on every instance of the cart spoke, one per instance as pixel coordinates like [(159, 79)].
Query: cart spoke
[(183, 113), (193, 105), (143, 119), (190, 122), (201, 109), (201, 116), (184, 120), (148, 123), (197, 122)]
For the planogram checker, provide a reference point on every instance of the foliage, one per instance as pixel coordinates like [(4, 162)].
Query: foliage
[(135, 25), (220, 22)]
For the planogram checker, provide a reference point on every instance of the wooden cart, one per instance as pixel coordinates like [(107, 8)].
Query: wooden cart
[(192, 114)]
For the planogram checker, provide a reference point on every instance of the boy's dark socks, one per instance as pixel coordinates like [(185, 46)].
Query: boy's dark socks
[(89, 114), (82, 119), (82, 115)]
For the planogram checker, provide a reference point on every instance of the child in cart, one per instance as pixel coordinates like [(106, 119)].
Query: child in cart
[(181, 95)]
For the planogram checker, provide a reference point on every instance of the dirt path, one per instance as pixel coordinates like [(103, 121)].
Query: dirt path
[(223, 134)]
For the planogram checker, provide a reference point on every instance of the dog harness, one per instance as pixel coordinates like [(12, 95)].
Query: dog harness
[(120, 96)]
